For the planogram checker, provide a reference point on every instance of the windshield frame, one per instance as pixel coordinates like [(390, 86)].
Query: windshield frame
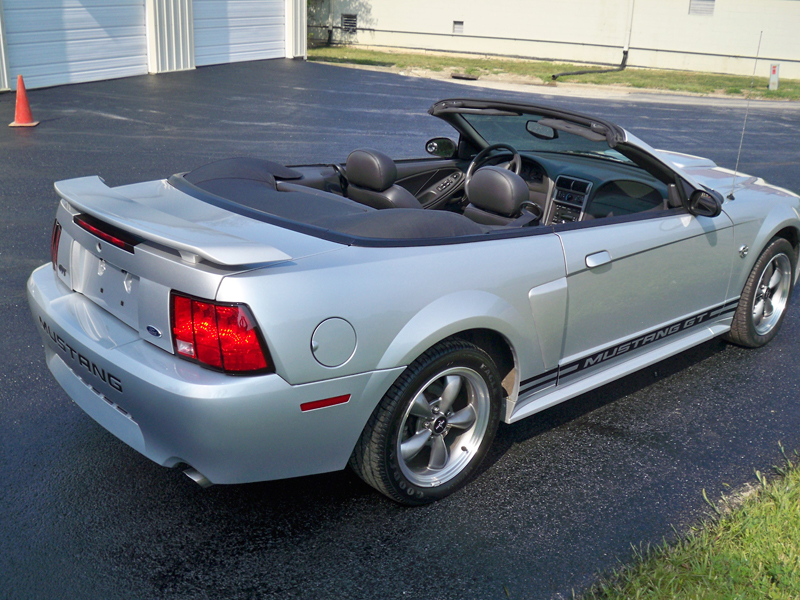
[(514, 128)]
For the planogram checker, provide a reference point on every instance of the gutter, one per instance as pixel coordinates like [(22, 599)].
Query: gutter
[(621, 67)]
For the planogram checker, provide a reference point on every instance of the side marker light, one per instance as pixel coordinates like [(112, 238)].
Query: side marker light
[(325, 403)]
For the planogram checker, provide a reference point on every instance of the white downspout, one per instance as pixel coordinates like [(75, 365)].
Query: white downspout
[(288, 29), (5, 76), (296, 44), (630, 25)]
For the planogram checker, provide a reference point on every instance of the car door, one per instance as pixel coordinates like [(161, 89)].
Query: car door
[(637, 282)]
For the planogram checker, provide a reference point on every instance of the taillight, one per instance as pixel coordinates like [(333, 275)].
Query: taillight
[(55, 238), (219, 336), (108, 233)]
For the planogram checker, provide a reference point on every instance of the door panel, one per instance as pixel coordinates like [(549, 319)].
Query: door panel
[(432, 181), (409, 168), (419, 181), (660, 270)]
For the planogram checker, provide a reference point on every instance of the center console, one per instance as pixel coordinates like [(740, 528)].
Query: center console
[(570, 199)]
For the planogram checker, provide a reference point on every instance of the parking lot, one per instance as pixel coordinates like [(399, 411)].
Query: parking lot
[(565, 494)]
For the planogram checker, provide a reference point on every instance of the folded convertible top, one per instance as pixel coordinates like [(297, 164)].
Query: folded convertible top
[(248, 187)]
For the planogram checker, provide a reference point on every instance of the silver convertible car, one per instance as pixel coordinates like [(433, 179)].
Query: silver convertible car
[(253, 321)]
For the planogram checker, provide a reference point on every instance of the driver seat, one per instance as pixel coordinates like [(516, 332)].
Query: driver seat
[(371, 176), (496, 196)]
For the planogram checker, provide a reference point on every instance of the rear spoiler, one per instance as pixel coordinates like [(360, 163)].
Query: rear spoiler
[(192, 240)]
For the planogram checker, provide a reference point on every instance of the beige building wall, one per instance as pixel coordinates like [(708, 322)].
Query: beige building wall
[(662, 33)]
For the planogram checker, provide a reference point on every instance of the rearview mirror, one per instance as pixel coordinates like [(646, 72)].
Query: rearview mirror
[(703, 204), (441, 147), (543, 132)]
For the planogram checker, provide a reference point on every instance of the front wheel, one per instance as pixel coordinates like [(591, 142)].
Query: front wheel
[(765, 296), (433, 427)]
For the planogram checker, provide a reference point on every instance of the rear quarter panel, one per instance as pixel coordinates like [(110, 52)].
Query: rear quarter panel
[(400, 301)]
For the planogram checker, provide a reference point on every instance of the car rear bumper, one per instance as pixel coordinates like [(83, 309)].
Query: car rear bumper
[(231, 429)]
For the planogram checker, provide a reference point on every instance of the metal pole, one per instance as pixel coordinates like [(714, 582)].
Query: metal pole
[(746, 111)]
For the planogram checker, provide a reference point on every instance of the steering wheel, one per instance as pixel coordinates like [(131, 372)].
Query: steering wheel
[(514, 165), (531, 208), (343, 183)]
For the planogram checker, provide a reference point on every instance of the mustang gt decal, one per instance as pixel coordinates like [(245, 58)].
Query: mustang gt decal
[(82, 361), (556, 376)]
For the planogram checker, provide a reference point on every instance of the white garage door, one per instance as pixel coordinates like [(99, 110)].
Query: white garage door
[(235, 30), (52, 42)]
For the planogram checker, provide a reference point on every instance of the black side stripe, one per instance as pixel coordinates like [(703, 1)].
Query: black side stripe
[(544, 375), (540, 385), (646, 339), (726, 308), (541, 381), (555, 376)]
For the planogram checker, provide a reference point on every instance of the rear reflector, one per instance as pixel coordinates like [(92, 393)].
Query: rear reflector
[(108, 233), (220, 336), (55, 238), (324, 403)]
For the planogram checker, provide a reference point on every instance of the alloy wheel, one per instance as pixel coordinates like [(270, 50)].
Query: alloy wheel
[(443, 426), (772, 293)]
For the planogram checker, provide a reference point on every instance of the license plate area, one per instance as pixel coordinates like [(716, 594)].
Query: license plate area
[(108, 286)]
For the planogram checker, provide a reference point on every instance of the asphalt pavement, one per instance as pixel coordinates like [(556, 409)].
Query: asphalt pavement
[(565, 493)]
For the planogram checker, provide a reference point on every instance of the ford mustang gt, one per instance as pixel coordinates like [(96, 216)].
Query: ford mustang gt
[(254, 321)]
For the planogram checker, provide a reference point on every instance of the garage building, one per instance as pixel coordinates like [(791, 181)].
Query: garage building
[(55, 42)]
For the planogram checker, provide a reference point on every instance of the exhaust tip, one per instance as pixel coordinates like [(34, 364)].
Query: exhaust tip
[(198, 477)]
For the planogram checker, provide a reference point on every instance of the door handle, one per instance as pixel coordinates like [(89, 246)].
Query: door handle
[(597, 259)]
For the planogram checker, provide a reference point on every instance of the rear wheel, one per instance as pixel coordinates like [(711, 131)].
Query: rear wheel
[(433, 427), (765, 296)]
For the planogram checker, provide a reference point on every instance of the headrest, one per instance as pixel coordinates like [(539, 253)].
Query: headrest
[(497, 190), (371, 169)]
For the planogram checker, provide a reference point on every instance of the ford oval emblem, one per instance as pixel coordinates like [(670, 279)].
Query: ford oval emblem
[(153, 331)]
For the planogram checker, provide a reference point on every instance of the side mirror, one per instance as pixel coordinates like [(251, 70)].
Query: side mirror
[(441, 147), (703, 204)]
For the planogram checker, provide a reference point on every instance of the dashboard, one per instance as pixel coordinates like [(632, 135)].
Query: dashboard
[(571, 188), (531, 171)]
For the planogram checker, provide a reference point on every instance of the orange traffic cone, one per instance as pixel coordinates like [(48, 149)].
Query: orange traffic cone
[(22, 116)]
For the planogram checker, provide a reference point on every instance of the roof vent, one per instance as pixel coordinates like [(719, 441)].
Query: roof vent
[(349, 23), (701, 7)]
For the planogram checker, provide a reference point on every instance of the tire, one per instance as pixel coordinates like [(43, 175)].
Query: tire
[(430, 432), (765, 296)]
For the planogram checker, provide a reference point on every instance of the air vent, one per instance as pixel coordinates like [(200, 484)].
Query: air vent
[(349, 23), (701, 7), (458, 26), (580, 186), (565, 183)]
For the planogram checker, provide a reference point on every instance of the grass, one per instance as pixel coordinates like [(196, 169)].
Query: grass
[(541, 71), (748, 551)]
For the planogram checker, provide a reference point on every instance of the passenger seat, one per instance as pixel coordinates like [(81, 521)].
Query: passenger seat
[(371, 176)]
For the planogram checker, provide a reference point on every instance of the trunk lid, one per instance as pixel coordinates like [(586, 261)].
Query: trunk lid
[(180, 243)]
